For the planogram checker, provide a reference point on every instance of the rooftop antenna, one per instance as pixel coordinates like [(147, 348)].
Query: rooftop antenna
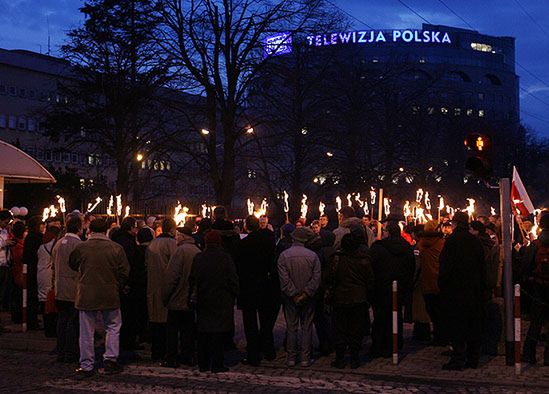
[(49, 38)]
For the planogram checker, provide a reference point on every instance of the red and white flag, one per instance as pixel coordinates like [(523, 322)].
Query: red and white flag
[(520, 200)]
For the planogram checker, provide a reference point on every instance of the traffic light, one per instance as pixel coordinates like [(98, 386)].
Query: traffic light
[(479, 148)]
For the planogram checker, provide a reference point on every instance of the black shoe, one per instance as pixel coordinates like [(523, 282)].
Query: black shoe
[(451, 366), (169, 364), (253, 363), (111, 367), (220, 369), (83, 374), (338, 363), (270, 356)]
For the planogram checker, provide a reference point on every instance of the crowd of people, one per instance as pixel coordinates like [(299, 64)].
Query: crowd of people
[(177, 287)]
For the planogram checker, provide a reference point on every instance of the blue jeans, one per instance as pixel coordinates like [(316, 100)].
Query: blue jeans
[(112, 319), (295, 316)]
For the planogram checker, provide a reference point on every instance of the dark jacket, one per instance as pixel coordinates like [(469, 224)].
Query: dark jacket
[(351, 277), (461, 281), (129, 244), (283, 244), (214, 282), (255, 262), (392, 259), (138, 272), (229, 236)]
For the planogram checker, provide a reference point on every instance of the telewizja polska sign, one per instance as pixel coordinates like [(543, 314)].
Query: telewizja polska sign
[(379, 36)]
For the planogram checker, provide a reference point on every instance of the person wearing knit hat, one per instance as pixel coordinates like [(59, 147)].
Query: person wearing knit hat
[(299, 272), (214, 287)]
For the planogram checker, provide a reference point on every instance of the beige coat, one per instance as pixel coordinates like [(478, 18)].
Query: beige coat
[(102, 270), (176, 289), (64, 276), (157, 257)]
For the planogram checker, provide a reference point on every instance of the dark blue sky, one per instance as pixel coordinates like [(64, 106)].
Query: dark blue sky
[(24, 24)]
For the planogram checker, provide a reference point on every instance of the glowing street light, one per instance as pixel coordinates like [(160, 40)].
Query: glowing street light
[(139, 157), (205, 131), (250, 130), (329, 154)]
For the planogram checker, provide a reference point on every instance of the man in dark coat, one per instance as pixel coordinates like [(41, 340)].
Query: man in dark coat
[(215, 285), (33, 240), (125, 237), (461, 281), (254, 264), (392, 259)]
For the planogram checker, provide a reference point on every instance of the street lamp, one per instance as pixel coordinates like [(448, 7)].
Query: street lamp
[(139, 157), (249, 130), (205, 131), (329, 154)]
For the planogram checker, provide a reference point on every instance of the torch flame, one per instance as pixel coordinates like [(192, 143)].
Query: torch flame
[(61, 202), (45, 214), (471, 207), (450, 211), (250, 207), (119, 205), (406, 210), (387, 206), (205, 210), (419, 195), (321, 207), (262, 211), (92, 207), (286, 205), (427, 201), (127, 211), (304, 207), (111, 204), (440, 202), (492, 211), (349, 200), (359, 201), (180, 214), (338, 203), (372, 196), (53, 211)]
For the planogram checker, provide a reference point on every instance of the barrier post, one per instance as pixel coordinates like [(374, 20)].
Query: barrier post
[(24, 308), (518, 366), (395, 323)]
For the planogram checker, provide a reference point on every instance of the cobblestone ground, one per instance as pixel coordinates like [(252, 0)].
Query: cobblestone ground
[(418, 371)]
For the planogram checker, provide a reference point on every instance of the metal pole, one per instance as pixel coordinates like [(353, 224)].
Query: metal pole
[(1, 192), (380, 214), (518, 366), (508, 296), (395, 323)]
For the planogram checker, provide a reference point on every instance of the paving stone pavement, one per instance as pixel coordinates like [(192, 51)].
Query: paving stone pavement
[(419, 370)]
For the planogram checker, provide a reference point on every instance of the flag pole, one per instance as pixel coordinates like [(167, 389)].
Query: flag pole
[(508, 295)]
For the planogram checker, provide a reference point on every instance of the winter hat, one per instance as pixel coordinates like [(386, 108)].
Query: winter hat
[(430, 226), (288, 229), (144, 235), (302, 234), (212, 237)]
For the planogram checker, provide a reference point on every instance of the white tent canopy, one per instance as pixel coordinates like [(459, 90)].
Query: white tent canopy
[(18, 167)]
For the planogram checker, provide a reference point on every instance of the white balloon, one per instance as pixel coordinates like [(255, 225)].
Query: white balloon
[(15, 211), (23, 211)]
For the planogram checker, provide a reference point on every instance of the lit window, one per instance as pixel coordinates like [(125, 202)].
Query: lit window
[(422, 60), (444, 110), (481, 47), (469, 112), (481, 96), (430, 110), (12, 122), (375, 60), (415, 109), (481, 113), (168, 166), (252, 174), (31, 124), (457, 111)]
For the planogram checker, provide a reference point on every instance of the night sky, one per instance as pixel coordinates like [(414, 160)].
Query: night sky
[(25, 26)]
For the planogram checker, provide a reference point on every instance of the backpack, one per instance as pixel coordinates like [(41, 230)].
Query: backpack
[(541, 265)]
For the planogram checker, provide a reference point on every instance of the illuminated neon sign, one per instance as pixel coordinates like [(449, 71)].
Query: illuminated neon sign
[(379, 36), (278, 44)]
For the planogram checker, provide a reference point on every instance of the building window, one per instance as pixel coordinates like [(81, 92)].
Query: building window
[(31, 124), (30, 150), (57, 157), (3, 89), (457, 111), (481, 47), (40, 154), (252, 174), (430, 110), (32, 94), (66, 157), (74, 158), (481, 96), (444, 111), (469, 112), (481, 113), (415, 109), (12, 122), (13, 91), (48, 155), (422, 60), (22, 92), (2, 121), (22, 123)]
